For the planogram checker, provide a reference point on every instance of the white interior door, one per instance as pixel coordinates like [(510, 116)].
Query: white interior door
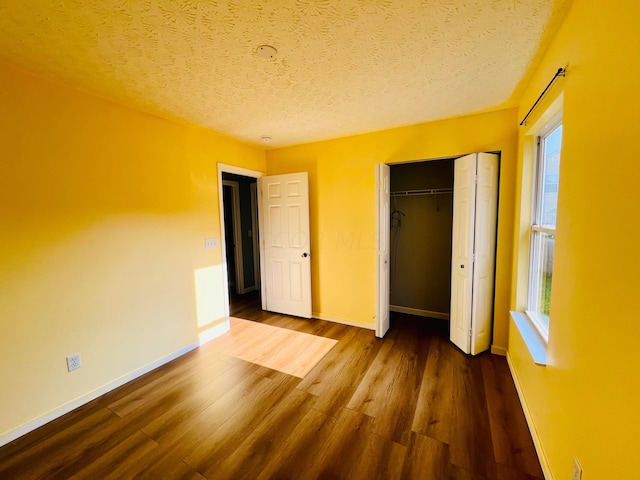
[(384, 233), (464, 199), (485, 251), (285, 235)]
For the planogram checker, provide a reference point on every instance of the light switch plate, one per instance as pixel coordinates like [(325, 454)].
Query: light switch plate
[(210, 242)]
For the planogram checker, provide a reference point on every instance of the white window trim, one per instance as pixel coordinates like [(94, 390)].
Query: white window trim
[(536, 227), (524, 320), (532, 340)]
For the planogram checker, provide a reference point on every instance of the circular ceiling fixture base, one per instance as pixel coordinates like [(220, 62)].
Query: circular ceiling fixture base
[(267, 52)]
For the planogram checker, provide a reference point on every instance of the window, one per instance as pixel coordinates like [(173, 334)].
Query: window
[(543, 227)]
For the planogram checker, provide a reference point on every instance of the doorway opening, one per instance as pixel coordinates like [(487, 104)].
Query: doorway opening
[(238, 195), (241, 240), (453, 236), (421, 221)]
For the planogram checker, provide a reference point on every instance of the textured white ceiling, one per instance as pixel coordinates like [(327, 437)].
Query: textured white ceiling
[(343, 66)]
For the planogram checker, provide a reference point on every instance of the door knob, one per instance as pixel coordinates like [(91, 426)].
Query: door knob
[(305, 255), (461, 266)]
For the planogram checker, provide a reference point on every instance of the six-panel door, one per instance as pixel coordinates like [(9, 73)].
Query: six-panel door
[(287, 262)]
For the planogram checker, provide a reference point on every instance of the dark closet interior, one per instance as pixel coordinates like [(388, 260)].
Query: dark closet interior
[(421, 224)]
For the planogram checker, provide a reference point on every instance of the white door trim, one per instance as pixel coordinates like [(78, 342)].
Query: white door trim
[(380, 292), (223, 168)]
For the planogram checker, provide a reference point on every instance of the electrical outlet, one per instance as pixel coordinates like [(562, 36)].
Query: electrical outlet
[(73, 362), (210, 243), (576, 473)]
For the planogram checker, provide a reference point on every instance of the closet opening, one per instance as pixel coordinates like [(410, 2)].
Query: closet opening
[(421, 221), (437, 224)]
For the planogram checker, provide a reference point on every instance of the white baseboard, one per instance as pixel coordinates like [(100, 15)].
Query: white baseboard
[(368, 326), (214, 332), (37, 422), (419, 312), (544, 463), (498, 350)]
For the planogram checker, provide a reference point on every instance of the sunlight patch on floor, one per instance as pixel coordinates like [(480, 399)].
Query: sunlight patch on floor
[(287, 351)]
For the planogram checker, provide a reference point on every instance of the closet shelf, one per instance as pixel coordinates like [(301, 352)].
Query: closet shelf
[(429, 191)]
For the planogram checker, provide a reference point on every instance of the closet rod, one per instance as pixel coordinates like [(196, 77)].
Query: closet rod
[(430, 191)]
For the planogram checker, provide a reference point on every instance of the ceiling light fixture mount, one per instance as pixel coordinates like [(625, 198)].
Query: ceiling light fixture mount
[(267, 52), (266, 138)]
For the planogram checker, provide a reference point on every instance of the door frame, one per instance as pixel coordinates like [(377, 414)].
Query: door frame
[(454, 158), (224, 168), (381, 291)]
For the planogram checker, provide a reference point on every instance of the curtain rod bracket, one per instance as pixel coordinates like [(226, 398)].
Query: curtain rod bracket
[(562, 72)]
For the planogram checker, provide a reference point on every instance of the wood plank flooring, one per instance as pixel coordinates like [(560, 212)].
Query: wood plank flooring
[(281, 349), (409, 406)]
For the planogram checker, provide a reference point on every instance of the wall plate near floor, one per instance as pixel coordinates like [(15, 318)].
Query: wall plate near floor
[(576, 472)]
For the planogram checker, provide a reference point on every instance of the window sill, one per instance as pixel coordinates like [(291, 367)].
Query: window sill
[(537, 348)]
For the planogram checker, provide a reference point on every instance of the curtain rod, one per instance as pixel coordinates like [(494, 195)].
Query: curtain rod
[(560, 73)]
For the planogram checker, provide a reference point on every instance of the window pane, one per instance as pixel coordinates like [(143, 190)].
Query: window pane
[(543, 244), (549, 180)]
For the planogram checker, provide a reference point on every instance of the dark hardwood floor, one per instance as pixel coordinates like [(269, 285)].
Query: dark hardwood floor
[(407, 406)]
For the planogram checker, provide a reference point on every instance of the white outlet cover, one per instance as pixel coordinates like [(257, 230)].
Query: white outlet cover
[(211, 242), (576, 473), (74, 362)]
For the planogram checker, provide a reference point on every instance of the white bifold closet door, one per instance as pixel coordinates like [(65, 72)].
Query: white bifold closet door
[(475, 205), (384, 240)]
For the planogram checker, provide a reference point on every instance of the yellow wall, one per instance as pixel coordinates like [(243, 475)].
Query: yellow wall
[(103, 215), (585, 403), (343, 205), (103, 212)]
